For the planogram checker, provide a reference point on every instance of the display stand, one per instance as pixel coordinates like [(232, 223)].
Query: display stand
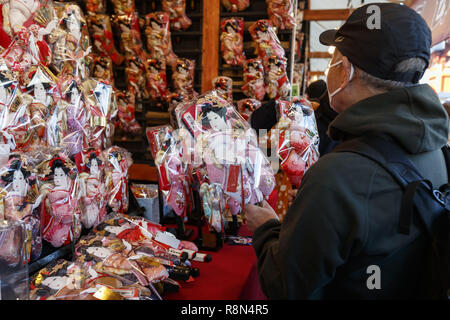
[(233, 226), (205, 240), (211, 241)]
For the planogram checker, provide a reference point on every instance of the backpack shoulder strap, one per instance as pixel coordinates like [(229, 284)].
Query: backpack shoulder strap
[(386, 153), (446, 152), (392, 158)]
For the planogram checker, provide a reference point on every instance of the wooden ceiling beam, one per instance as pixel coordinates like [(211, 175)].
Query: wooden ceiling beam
[(331, 14), (320, 55), (316, 73)]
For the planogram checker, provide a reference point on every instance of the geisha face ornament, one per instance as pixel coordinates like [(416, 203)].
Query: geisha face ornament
[(114, 162), (75, 95), (217, 122), (73, 24), (124, 28), (182, 70), (99, 252), (296, 113), (39, 84), (98, 45), (156, 26), (275, 69), (56, 282), (3, 95), (99, 71), (263, 35), (60, 179), (94, 168), (114, 229), (40, 94), (230, 29), (5, 85), (19, 184)]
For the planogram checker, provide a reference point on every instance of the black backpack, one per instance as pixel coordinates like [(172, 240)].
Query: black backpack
[(432, 206)]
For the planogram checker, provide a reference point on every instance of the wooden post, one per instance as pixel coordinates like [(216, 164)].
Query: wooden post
[(293, 43), (210, 42)]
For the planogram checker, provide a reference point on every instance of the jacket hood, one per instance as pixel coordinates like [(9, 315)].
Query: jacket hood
[(413, 116)]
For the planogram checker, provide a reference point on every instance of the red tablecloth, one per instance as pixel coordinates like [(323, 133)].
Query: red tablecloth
[(230, 275)]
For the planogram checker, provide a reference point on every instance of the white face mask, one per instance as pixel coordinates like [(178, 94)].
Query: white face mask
[(332, 94)]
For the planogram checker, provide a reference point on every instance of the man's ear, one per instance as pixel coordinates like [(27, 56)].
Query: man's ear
[(347, 67)]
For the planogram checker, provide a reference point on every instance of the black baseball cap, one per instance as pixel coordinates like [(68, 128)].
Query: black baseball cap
[(377, 48)]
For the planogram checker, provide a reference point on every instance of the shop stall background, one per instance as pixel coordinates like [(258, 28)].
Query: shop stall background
[(186, 44)]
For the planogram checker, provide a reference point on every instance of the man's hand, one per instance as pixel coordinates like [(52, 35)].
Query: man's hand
[(256, 216)]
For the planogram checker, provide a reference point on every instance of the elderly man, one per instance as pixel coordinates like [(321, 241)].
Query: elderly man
[(340, 239)]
